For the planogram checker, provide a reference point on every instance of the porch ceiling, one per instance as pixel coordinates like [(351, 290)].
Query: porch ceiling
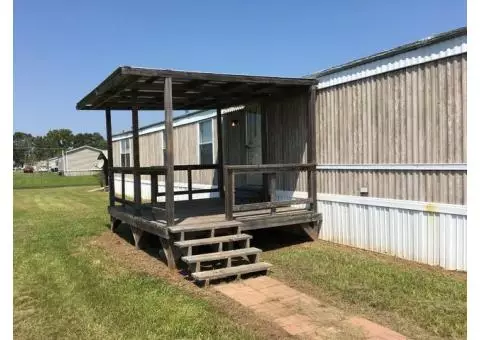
[(141, 88)]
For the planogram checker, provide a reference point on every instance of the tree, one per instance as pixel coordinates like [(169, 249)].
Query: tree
[(29, 149), (60, 138), (92, 139), (22, 147)]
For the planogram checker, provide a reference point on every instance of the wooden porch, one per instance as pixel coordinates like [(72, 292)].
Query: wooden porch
[(187, 227)]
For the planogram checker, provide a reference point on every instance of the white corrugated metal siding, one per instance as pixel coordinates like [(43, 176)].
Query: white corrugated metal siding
[(434, 234)]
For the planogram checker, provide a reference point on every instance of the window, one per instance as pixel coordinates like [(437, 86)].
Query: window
[(205, 142), (125, 152)]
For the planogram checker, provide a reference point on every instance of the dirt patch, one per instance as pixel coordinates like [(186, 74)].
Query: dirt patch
[(122, 251)]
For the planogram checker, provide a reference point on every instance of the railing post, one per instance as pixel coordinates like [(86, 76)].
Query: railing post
[(189, 175), (153, 188), (273, 190), (123, 189), (220, 152), (137, 184), (229, 180), (169, 170), (111, 179)]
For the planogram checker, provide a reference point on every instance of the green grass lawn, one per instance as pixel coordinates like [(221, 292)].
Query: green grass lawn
[(50, 180), (418, 301), (66, 288)]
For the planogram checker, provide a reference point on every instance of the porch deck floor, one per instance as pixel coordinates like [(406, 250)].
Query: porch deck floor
[(210, 210), (213, 210)]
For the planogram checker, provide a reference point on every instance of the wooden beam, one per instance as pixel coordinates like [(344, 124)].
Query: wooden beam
[(169, 162), (117, 89), (137, 188), (111, 179), (220, 152), (312, 145), (270, 205), (216, 76)]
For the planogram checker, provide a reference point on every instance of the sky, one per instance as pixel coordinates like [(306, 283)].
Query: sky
[(63, 49)]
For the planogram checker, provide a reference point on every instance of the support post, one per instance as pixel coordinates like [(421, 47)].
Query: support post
[(169, 162), (220, 152), (137, 189), (264, 138), (312, 146), (111, 180)]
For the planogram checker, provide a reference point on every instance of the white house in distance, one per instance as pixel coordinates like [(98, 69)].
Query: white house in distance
[(79, 161)]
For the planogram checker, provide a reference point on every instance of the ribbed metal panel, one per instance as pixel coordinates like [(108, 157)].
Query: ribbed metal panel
[(438, 239), (412, 115)]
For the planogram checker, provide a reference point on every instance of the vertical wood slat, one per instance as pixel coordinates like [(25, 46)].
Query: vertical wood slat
[(189, 181), (273, 190), (137, 189), (169, 162), (219, 153), (123, 189), (153, 188), (111, 179)]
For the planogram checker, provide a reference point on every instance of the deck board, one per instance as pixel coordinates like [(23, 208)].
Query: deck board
[(201, 211)]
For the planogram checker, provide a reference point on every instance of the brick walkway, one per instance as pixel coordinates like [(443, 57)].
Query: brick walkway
[(299, 314)]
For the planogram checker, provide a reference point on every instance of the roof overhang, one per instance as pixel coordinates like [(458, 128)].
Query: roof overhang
[(141, 88)]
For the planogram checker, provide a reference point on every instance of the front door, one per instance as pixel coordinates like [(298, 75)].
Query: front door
[(253, 145)]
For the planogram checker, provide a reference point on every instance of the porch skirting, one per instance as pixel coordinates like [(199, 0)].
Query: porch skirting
[(430, 233)]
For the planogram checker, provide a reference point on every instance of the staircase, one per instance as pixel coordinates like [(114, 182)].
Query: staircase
[(217, 250)]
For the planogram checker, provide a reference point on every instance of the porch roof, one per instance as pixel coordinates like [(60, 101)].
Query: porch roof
[(131, 87)]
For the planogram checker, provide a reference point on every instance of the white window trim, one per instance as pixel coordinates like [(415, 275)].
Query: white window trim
[(123, 152), (213, 140)]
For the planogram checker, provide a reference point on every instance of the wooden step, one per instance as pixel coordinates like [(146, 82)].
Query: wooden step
[(212, 240), (231, 271), (205, 226), (221, 255)]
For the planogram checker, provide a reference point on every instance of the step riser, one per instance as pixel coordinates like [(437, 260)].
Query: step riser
[(232, 271), (212, 241), (214, 232), (207, 257)]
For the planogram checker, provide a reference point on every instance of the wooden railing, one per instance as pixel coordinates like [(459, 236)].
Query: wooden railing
[(270, 170), (190, 191), (154, 172)]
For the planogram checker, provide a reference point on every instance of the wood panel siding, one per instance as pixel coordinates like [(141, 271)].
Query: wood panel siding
[(412, 115), (186, 151), (287, 138)]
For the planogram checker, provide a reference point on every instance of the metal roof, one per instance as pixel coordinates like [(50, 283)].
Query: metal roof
[(394, 51)]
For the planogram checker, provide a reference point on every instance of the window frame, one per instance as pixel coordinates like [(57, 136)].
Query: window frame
[(123, 144), (199, 143)]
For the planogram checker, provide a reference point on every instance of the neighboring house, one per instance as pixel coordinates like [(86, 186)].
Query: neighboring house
[(391, 150), (53, 163), (79, 161)]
